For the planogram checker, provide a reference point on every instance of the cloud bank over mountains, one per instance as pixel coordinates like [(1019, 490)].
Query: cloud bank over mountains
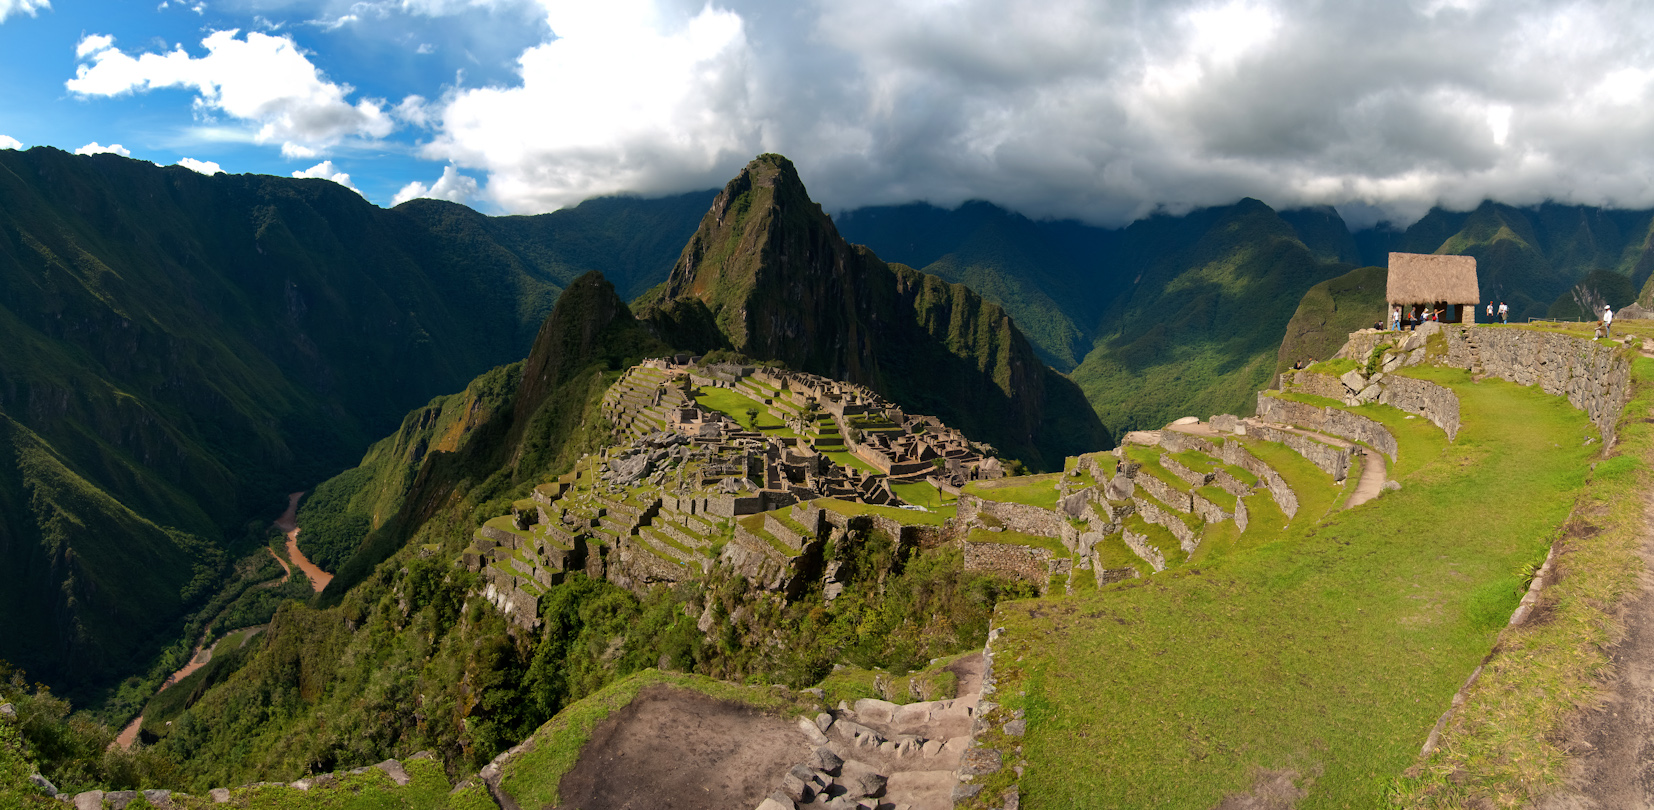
[(1102, 110)]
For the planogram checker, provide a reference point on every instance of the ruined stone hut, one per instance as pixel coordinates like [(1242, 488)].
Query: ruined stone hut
[(1447, 283)]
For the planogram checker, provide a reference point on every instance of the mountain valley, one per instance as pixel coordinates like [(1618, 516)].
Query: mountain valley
[(752, 472)]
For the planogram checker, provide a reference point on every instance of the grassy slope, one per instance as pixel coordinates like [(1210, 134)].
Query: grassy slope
[(1329, 312), (1329, 650), (1507, 745), (1198, 331)]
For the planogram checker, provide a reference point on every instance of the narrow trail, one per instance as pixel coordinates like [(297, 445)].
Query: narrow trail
[(1373, 472), (288, 523), (1615, 742)]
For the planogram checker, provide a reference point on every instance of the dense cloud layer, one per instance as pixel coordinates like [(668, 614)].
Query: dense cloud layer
[(1102, 110)]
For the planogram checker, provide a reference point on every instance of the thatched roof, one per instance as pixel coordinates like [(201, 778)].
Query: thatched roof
[(1418, 278)]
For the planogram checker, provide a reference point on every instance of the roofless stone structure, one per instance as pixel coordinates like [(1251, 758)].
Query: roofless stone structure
[(1440, 282)]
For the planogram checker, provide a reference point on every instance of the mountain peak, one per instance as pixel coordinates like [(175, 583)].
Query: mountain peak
[(780, 283)]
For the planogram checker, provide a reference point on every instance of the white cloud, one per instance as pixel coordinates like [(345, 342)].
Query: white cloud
[(261, 79), (293, 151), (452, 186), (327, 171), (95, 148), (205, 167), (425, 49), (29, 7), (8, 142), (93, 43), (626, 98), (1105, 110)]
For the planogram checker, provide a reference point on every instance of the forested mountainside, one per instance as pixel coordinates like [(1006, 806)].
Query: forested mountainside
[(778, 283), (1201, 300), (181, 350)]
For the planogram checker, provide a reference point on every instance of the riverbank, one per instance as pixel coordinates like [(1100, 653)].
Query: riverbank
[(288, 524)]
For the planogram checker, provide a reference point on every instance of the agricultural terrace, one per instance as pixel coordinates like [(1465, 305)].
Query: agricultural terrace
[(1321, 650), (1033, 490)]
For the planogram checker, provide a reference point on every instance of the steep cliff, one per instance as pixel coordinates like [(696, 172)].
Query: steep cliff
[(780, 283)]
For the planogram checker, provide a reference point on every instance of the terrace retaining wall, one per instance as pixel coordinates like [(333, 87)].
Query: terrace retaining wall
[(1595, 377)]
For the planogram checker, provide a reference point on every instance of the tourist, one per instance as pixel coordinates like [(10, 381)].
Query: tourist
[(1490, 312), (1607, 322), (1395, 318), (1504, 313)]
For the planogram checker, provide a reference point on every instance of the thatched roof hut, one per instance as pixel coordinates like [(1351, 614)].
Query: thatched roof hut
[(1418, 278)]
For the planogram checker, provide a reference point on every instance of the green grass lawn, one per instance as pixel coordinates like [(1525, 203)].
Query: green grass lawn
[(1011, 538), (1326, 647), (845, 458), (904, 516), (736, 405), (1034, 490), (922, 495)]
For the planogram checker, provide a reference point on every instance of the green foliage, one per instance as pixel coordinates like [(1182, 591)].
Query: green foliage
[(1582, 301), (1262, 639), (1329, 312), (1199, 330), (184, 349), (72, 750)]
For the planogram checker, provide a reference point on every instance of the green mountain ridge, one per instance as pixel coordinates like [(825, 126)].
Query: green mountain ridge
[(189, 348), (1134, 309), (781, 284)]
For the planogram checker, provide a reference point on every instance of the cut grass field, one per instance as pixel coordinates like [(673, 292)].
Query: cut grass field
[(922, 495), (1327, 649), (1505, 746), (903, 516), (1034, 490)]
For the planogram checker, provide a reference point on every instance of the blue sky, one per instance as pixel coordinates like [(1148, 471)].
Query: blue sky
[(1103, 110)]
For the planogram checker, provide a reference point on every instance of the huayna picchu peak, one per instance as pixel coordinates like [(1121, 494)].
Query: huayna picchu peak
[(781, 284), (796, 527)]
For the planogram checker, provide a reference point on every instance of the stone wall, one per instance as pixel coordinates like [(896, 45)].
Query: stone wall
[(1595, 377), (1164, 492), (1433, 402), (1208, 511), (1321, 385), (1185, 474), (1140, 546), (1234, 453), (1172, 522), (1018, 517), (1329, 420), (1334, 461), (1024, 562)]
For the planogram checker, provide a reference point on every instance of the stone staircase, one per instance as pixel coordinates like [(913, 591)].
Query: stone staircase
[(877, 755)]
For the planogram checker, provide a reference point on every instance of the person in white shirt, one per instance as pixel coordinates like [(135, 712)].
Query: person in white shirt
[(1490, 312), (1504, 313), (1607, 321), (1395, 318)]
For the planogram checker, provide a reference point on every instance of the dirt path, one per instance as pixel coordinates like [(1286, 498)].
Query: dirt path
[(1373, 474), (1615, 766), (288, 523)]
